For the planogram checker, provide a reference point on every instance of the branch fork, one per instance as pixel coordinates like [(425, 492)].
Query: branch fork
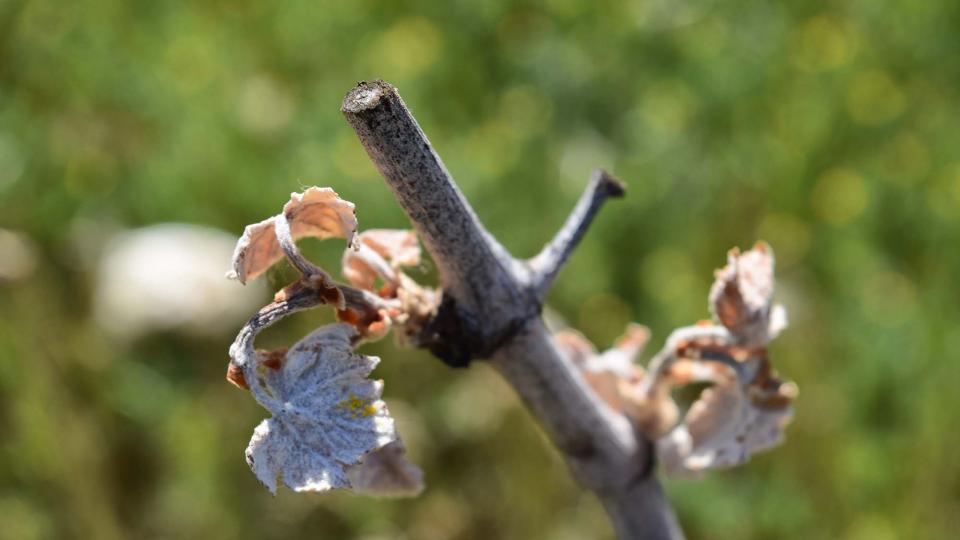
[(491, 305)]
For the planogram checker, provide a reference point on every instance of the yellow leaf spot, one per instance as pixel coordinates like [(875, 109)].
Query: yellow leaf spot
[(358, 407)]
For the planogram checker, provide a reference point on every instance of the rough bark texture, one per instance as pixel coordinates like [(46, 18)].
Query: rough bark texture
[(491, 310)]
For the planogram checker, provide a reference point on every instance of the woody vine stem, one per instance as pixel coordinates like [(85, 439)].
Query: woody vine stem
[(491, 310)]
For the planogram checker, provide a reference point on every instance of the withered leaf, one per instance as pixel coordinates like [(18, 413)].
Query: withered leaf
[(380, 253), (398, 246), (387, 473), (741, 296), (327, 415), (317, 212), (618, 381), (600, 377), (723, 428)]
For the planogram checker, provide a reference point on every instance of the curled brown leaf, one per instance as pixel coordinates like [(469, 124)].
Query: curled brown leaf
[(618, 381), (380, 254), (741, 297), (317, 212)]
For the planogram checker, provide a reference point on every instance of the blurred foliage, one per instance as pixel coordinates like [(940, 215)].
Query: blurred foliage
[(830, 129)]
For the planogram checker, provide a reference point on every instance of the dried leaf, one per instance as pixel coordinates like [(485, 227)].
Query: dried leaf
[(576, 346), (235, 376), (418, 306), (380, 254), (654, 413), (399, 247), (618, 360), (621, 357), (778, 321), (327, 416), (321, 213), (744, 412), (362, 267), (618, 381), (317, 212), (747, 408), (684, 372), (723, 429), (740, 298), (590, 365), (387, 473), (256, 251)]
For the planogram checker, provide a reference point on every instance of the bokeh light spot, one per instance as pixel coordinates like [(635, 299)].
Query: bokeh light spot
[(264, 105), (190, 63), (943, 194), (873, 98), (888, 298), (907, 158), (824, 42), (668, 107), (406, 49), (839, 196)]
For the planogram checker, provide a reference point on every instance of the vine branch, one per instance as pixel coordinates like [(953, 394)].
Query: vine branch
[(489, 310)]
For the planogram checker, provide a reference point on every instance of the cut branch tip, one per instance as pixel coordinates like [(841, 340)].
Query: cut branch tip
[(366, 96)]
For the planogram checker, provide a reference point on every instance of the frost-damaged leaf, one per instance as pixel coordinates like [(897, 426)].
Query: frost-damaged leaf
[(380, 253), (602, 377), (320, 212), (398, 246), (235, 376), (387, 473), (618, 381), (317, 212), (725, 426), (740, 298), (747, 408), (327, 416), (621, 357)]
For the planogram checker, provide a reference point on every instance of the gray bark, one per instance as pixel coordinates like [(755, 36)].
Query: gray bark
[(491, 309)]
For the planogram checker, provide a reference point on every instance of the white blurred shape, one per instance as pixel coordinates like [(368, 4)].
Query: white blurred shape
[(264, 105), (17, 256), (171, 277)]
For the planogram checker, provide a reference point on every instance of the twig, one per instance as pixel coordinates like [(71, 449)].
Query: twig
[(547, 264)]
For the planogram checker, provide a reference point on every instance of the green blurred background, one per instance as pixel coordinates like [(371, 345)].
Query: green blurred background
[(830, 129)]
